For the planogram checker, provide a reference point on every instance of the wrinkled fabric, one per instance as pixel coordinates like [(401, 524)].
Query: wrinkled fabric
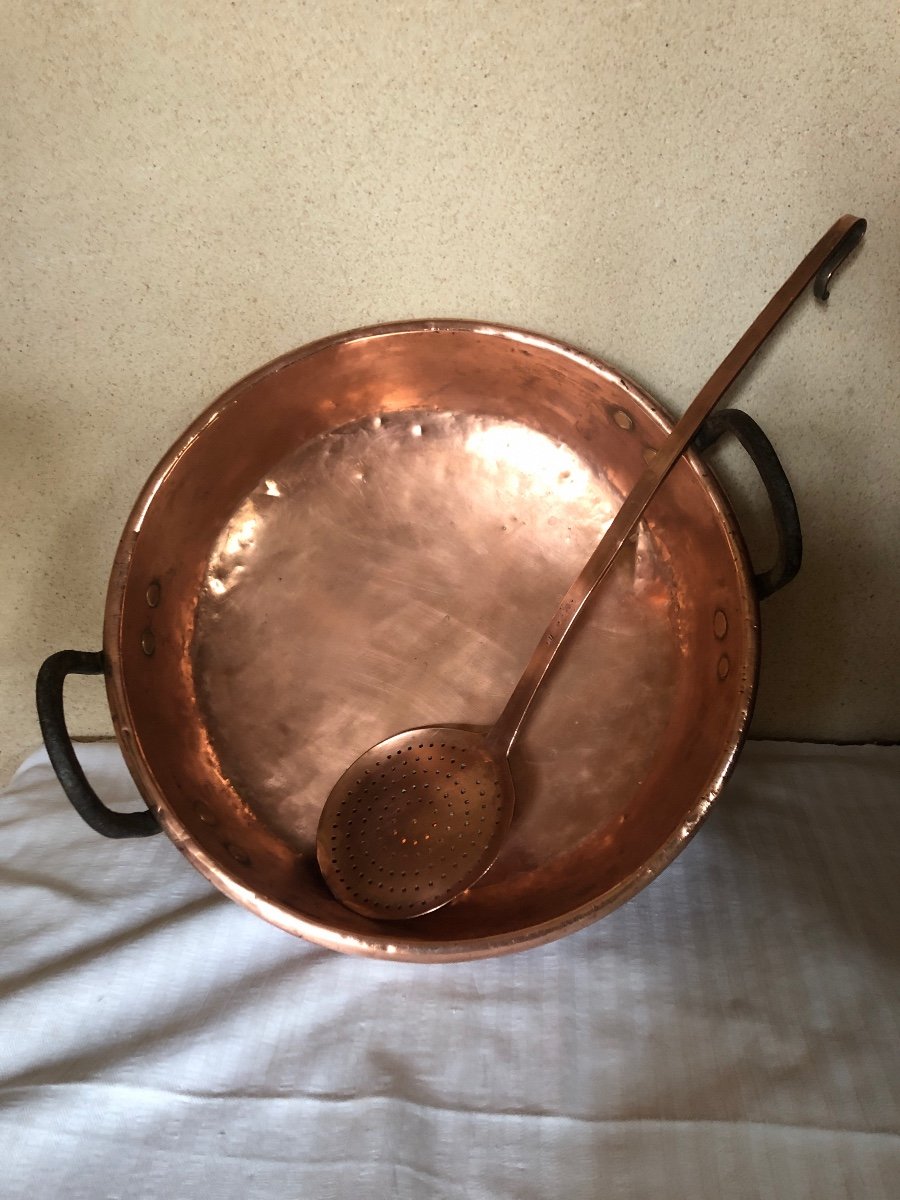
[(731, 1032)]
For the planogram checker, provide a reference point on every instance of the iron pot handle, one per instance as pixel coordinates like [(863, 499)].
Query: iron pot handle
[(789, 554), (61, 752)]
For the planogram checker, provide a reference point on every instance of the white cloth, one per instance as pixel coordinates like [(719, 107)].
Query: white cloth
[(732, 1032)]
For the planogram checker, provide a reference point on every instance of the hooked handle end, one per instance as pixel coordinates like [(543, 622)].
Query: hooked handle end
[(851, 239)]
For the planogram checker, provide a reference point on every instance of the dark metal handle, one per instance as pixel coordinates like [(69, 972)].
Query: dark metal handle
[(61, 752), (784, 507)]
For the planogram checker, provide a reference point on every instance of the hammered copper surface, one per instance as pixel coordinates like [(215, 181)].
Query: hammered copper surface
[(375, 529)]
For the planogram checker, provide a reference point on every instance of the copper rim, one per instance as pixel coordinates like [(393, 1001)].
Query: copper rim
[(144, 738)]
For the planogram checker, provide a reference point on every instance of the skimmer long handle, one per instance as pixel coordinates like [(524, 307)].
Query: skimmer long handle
[(820, 264)]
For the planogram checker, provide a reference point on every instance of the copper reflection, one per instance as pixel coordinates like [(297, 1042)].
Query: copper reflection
[(375, 528)]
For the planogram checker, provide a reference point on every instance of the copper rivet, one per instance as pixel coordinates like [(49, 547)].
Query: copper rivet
[(720, 624), (204, 814), (238, 853), (148, 642), (649, 454), (622, 419), (153, 594), (723, 666)]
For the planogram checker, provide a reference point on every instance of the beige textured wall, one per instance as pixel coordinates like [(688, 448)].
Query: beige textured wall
[(191, 189)]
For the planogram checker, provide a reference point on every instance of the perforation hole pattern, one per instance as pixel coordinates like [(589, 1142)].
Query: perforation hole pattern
[(412, 824)]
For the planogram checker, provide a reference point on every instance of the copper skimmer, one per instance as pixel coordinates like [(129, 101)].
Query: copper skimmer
[(419, 817)]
